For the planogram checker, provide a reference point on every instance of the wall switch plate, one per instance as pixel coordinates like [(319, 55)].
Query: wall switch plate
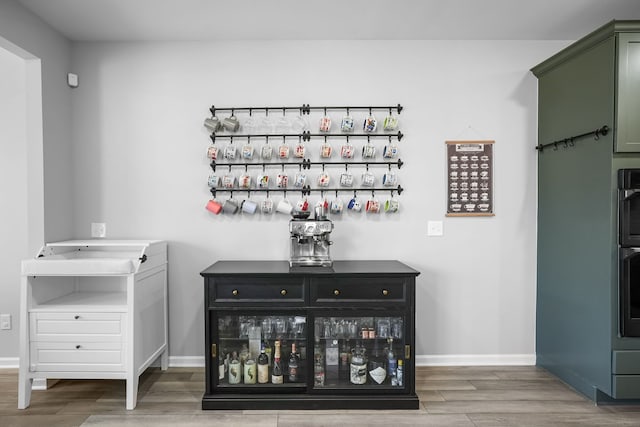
[(72, 80), (434, 228), (5, 322), (98, 229)]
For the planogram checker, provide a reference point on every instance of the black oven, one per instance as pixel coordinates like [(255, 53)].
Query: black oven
[(629, 250)]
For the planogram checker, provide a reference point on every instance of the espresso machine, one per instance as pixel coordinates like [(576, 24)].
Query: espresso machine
[(310, 240)]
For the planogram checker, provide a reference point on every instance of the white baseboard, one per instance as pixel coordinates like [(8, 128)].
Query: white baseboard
[(421, 360), (476, 360)]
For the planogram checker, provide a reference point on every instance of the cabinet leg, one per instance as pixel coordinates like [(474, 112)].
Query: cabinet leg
[(164, 360), (132, 392), (24, 392)]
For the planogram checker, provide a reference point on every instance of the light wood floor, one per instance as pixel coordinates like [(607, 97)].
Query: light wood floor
[(449, 396)]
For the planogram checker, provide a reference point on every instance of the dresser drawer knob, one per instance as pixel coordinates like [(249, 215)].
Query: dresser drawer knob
[(76, 317), (283, 292), (385, 292), (78, 347), (234, 292), (336, 292)]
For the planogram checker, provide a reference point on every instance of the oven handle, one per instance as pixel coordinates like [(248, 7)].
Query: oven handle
[(627, 194)]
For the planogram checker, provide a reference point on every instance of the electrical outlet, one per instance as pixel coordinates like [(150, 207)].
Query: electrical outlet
[(98, 229), (5, 321), (434, 228)]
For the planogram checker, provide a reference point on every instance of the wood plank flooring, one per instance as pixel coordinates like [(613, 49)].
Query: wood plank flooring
[(489, 396)]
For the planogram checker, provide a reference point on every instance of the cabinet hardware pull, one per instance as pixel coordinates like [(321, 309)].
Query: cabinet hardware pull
[(214, 350), (336, 292), (78, 347), (407, 352), (385, 292), (234, 292), (76, 317), (283, 292)]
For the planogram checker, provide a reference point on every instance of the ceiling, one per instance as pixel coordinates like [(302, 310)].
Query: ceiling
[(178, 20)]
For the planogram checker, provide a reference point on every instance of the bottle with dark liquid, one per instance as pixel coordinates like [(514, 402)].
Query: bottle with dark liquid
[(293, 365), (276, 374), (263, 366)]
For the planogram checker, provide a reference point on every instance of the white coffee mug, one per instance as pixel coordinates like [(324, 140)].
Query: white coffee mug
[(284, 207), (249, 206)]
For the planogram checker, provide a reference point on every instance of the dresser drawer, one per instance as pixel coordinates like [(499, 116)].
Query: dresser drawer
[(72, 327), (77, 356), (281, 290), (359, 289)]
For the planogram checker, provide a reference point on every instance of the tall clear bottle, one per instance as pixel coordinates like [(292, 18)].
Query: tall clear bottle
[(392, 364), (263, 366), (277, 376)]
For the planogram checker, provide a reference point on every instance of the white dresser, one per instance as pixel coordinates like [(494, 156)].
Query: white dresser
[(93, 309)]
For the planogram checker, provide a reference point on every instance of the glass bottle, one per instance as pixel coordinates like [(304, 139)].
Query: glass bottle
[(250, 371), (276, 373), (318, 370), (377, 370), (221, 367), (392, 363), (263, 366), (345, 351), (235, 369), (293, 364), (244, 354), (269, 351), (400, 373), (358, 369)]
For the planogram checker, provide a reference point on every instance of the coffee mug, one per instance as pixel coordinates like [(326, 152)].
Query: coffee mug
[(283, 151), (230, 152), (336, 206), (231, 123), (284, 207), (325, 150), (266, 206), (266, 152), (391, 205), (389, 179), (247, 152), (323, 179), (212, 152), (390, 151), (282, 180), (354, 205), (213, 181), (368, 151), (325, 124), (263, 181), (212, 123), (323, 204), (372, 206), (346, 151), (302, 205), (300, 179), (390, 122), (368, 179), (299, 151), (230, 206), (249, 206), (346, 179), (347, 124), (370, 124), (229, 181), (244, 181), (214, 206)]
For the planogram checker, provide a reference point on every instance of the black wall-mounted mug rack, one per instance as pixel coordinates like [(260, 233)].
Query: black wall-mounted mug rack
[(306, 136), (307, 190), (304, 164), (306, 109)]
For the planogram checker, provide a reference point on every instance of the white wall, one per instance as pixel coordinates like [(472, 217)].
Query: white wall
[(139, 165), (13, 188)]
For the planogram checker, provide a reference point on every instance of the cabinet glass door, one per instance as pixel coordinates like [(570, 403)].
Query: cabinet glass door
[(359, 352), (261, 351)]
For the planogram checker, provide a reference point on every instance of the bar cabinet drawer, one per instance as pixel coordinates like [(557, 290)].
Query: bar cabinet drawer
[(361, 289), (257, 290)]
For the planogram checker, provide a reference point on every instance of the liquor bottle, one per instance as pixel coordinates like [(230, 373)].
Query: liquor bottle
[(263, 366), (235, 369), (276, 373), (293, 364), (318, 370), (345, 351), (221, 366), (269, 351), (250, 371), (358, 368), (400, 373), (244, 354), (392, 362), (377, 370)]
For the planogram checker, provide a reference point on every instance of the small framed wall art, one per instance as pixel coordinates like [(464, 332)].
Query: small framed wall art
[(469, 178)]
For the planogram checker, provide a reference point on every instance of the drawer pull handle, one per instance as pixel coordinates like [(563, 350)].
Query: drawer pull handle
[(385, 292), (76, 317), (234, 292), (283, 292), (336, 292), (78, 347)]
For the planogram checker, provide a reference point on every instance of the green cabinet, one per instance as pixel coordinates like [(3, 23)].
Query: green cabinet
[(628, 91), (592, 83)]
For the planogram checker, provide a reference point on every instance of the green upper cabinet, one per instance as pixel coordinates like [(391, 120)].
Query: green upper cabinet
[(624, 75), (628, 91)]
